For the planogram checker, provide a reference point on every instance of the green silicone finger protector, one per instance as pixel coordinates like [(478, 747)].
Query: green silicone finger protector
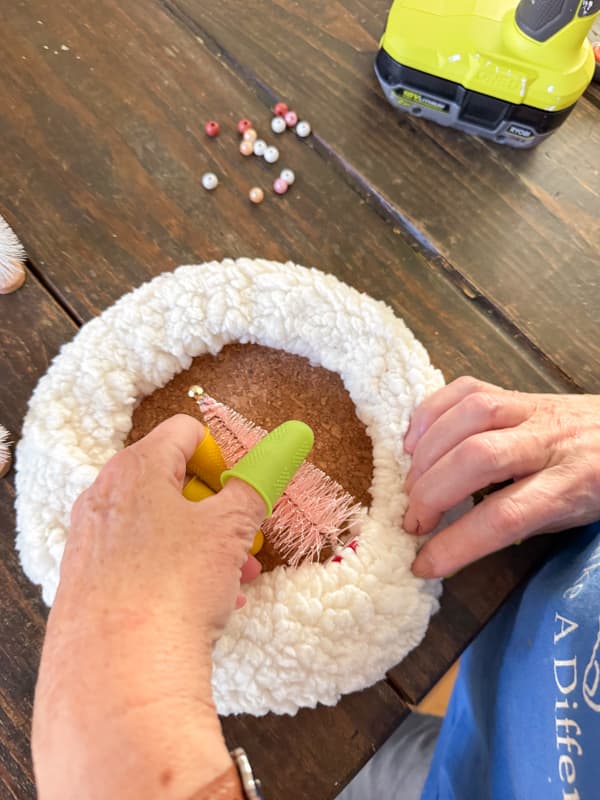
[(272, 463)]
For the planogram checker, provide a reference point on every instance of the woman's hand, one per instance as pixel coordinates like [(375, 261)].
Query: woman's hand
[(123, 704), (470, 434)]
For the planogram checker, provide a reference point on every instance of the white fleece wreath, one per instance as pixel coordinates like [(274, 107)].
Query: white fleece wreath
[(306, 635)]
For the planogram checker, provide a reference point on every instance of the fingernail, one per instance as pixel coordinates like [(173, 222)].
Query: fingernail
[(423, 566), (411, 524), (408, 441)]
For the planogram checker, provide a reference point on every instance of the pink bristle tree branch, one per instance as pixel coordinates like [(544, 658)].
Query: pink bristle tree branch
[(314, 511)]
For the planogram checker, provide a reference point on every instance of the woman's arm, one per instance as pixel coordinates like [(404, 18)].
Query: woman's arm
[(123, 705)]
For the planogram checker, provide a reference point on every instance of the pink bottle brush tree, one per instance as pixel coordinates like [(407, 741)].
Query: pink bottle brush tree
[(314, 512)]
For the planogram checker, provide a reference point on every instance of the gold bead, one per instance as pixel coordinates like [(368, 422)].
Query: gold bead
[(195, 392)]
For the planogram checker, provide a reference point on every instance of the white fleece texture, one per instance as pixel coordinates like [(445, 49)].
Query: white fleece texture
[(306, 635)]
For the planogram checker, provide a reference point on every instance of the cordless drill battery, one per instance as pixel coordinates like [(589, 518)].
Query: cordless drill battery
[(494, 68)]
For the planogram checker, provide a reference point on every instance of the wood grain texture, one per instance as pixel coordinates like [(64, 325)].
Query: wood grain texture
[(102, 107), (523, 227), (32, 328), (105, 191), (288, 752)]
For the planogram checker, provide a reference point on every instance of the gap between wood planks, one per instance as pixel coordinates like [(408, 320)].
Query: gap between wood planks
[(37, 274), (367, 193)]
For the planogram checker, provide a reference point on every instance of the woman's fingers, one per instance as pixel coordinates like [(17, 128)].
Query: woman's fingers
[(477, 412), (532, 505), (485, 458), (168, 447), (439, 402), (251, 569)]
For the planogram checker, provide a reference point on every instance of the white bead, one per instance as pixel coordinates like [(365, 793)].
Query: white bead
[(210, 181), (271, 155), (288, 176), (278, 125), (259, 147), (303, 129)]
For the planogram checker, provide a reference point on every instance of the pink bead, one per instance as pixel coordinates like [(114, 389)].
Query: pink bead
[(280, 109), (291, 118), (246, 147), (243, 125), (280, 186), (212, 128)]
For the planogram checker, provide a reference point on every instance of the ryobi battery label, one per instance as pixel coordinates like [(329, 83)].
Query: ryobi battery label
[(409, 98), (522, 133)]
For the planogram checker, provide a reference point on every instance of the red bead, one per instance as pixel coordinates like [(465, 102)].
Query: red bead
[(212, 128), (280, 186), (291, 118), (280, 109), (243, 125), (596, 49), (337, 559)]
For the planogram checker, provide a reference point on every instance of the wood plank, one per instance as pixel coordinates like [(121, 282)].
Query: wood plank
[(344, 738), (32, 328), (104, 190), (523, 227)]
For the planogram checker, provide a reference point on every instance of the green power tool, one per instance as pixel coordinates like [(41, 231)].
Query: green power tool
[(508, 71)]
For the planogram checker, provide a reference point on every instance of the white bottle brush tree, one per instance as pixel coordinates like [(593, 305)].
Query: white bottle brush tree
[(12, 256), (5, 456)]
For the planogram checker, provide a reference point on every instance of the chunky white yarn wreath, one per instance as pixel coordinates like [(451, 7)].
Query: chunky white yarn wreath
[(306, 635)]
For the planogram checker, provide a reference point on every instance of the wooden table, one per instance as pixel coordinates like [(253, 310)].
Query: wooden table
[(489, 254)]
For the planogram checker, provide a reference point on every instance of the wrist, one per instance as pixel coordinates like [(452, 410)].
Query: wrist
[(127, 711)]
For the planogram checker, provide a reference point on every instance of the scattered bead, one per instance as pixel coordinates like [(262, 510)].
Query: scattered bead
[(303, 129), (212, 128), (278, 125), (288, 176), (291, 118), (280, 109), (256, 195), (280, 186), (259, 147), (210, 181), (246, 147), (271, 155), (243, 125), (250, 135)]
